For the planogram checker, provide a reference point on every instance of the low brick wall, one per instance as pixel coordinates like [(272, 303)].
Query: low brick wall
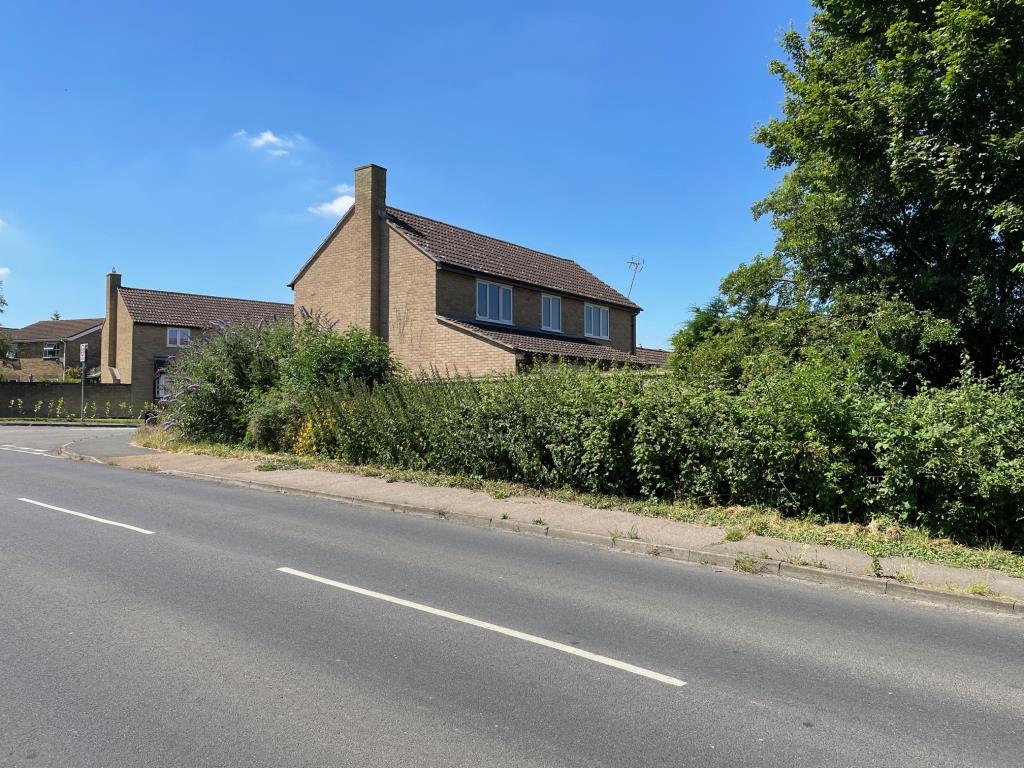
[(54, 400)]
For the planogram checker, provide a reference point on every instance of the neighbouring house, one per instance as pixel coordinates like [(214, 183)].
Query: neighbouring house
[(43, 351), (657, 358), (145, 329), (453, 300)]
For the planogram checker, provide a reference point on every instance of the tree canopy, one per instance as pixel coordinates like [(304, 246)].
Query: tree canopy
[(902, 138)]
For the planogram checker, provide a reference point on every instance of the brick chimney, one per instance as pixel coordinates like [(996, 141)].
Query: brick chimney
[(371, 199), (108, 338)]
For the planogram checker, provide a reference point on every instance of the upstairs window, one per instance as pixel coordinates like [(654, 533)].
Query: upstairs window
[(493, 302), (595, 321), (179, 337), (50, 350), (551, 313)]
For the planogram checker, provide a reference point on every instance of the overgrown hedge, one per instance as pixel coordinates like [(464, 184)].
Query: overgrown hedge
[(804, 442), (806, 438), (254, 381)]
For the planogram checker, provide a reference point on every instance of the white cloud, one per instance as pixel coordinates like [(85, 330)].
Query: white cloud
[(269, 138), (274, 145), (2, 225), (335, 208), (4, 272)]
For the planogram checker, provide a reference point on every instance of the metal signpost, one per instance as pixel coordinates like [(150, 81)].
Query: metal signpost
[(82, 349)]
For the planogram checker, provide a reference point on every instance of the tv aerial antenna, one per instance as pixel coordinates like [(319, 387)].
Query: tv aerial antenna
[(636, 266)]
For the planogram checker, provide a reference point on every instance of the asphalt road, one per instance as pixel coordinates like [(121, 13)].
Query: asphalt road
[(94, 441), (179, 642)]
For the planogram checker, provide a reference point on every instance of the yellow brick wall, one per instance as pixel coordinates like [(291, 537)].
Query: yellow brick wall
[(456, 294), (457, 351), (124, 341), (412, 284), (337, 283)]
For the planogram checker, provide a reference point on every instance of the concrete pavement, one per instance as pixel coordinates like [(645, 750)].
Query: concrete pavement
[(672, 538), (188, 646)]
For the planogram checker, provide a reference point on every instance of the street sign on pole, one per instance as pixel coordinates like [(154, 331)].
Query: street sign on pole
[(82, 349)]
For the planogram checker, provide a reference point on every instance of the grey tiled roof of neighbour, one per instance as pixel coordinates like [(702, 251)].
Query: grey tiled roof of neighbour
[(543, 344), (55, 330), (193, 310), (464, 249)]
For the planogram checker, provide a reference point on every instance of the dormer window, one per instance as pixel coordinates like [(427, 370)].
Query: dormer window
[(493, 302), (551, 313), (595, 321)]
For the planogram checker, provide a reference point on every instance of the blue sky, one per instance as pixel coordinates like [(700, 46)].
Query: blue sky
[(204, 146)]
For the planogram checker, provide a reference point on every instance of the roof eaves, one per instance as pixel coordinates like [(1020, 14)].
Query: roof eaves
[(323, 244), (473, 332), (86, 332)]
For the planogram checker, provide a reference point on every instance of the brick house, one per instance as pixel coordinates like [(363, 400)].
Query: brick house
[(43, 351), (454, 300), (145, 329)]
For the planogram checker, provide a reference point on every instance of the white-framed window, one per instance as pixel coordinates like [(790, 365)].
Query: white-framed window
[(595, 321), (550, 313), (493, 302), (12, 351), (50, 350), (179, 337)]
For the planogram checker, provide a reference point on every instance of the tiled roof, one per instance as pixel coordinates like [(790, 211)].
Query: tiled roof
[(55, 330), (461, 248), (543, 344), (652, 356), (192, 310)]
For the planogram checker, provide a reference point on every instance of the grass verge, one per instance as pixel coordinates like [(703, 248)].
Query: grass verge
[(880, 538)]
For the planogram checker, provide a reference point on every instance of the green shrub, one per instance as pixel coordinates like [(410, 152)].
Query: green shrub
[(217, 381), (322, 359), (952, 461), (797, 443), (274, 421), (220, 387), (683, 443)]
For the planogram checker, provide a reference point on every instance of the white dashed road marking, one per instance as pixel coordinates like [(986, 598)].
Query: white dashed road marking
[(87, 517), (491, 627), (23, 449)]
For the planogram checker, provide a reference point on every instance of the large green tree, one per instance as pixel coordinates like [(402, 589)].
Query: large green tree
[(902, 138)]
